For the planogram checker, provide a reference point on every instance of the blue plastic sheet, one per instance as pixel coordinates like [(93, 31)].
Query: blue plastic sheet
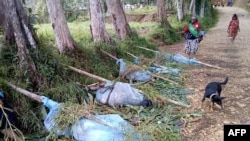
[(115, 128), (182, 59), (139, 75), (49, 121), (164, 70)]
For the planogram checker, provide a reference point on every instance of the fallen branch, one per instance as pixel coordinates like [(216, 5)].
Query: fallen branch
[(108, 54), (147, 49), (131, 54), (25, 92), (178, 103), (38, 98), (205, 64), (88, 74), (209, 65)]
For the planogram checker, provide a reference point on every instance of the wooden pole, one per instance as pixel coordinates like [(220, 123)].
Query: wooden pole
[(109, 54), (146, 49), (209, 65), (205, 64), (25, 92), (88, 74), (163, 78), (131, 54), (177, 103)]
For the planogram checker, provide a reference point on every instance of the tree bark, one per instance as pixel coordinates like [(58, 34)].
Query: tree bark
[(186, 7), (202, 8), (162, 13), (119, 19), (98, 28), (17, 29), (180, 9), (30, 36), (193, 8), (64, 39)]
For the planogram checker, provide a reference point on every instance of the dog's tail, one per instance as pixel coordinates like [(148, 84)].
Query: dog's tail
[(224, 82)]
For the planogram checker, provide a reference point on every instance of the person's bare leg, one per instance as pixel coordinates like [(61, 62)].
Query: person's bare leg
[(233, 40)]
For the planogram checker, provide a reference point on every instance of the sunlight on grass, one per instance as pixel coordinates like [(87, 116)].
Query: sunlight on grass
[(81, 30), (144, 10)]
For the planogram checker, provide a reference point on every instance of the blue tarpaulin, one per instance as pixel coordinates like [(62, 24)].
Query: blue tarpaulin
[(115, 128)]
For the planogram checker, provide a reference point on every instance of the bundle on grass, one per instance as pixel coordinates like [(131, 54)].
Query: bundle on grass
[(82, 125), (116, 93), (139, 74), (75, 121), (133, 72), (163, 57), (156, 68)]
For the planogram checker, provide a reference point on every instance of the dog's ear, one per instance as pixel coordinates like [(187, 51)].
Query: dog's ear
[(222, 97)]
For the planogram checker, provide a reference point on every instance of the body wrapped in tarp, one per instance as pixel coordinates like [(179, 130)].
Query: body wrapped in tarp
[(49, 121), (137, 75), (182, 59), (117, 130), (114, 127), (118, 94), (164, 70)]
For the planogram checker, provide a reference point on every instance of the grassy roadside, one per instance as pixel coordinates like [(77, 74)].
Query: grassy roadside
[(161, 121)]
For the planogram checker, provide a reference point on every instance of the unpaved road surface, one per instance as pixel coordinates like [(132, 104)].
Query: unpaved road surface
[(215, 49)]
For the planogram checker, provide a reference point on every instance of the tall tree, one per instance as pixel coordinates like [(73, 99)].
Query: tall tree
[(186, 5), (98, 29), (193, 7), (202, 8), (119, 19), (162, 13), (179, 4), (17, 30), (64, 39)]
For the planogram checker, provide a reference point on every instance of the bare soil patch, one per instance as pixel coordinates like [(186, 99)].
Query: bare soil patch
[(215, 49)]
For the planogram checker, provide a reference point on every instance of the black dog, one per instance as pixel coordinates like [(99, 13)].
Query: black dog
[(213, 91)]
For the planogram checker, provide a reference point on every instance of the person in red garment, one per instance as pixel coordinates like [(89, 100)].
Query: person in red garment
[(233, 28), (192, 36)]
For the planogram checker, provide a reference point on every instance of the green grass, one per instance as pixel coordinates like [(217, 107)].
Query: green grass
[(64, 85), (144, 10)]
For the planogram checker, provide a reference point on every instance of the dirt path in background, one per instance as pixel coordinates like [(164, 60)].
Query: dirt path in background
[(216, 49)]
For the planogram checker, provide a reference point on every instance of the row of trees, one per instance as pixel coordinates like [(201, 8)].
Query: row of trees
[(18, 30)]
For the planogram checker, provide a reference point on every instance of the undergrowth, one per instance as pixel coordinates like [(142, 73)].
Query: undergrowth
[(161, 122)]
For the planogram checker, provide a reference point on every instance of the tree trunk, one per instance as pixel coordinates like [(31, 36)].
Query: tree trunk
[(162, 13), (64, 39), (16, 28), (98, 29), (202, 8), (180, 9), (192, 8), (119, 19), (186, 7)]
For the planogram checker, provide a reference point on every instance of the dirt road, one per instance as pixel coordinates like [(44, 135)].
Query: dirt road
[(216, 49)]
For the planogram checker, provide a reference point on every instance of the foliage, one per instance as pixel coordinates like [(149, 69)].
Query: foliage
[(41, 12), (165, 35), (63, 85), (144, 10), (208, 22)]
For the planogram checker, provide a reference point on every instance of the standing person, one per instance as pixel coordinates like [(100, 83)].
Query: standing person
[(233, 28), (7, 120), (192, 36)]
